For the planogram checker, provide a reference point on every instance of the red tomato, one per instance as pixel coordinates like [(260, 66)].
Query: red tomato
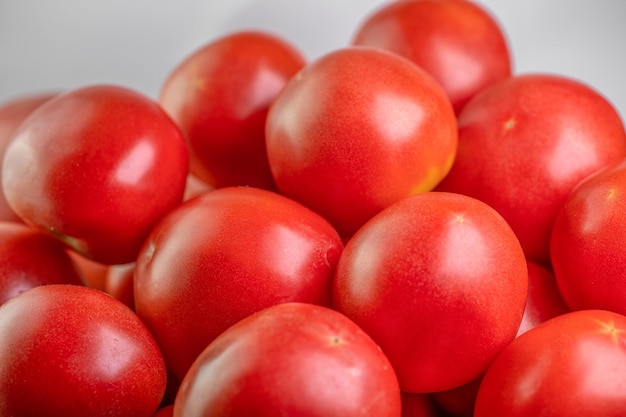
[(96, 166), (456, 41), (588, 241), (572, 365), (293, 359), (524, 143), (167, 411), (459, 401), (69, 350), (12, 114), (119, 283), (439, 281), (224, 255), (418, 405), (93, 273), (219, 96), (357, 130), (29, 258)]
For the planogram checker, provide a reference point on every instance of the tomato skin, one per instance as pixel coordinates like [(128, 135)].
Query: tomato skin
[(456, 41), (411, 272), (118, 283), (69, 350), (224, 255), (587, 243), (418, 405), (12, 114), (357, 130), (524, 163), (292, 359), (96, 166), (572, 365), (29, 258), (219, 96)]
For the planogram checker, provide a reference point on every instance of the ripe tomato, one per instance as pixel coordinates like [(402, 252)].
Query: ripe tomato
[(456, 41), (219, 96), (12, 114), (69, 350), (588, 240), (418, 405), (224, 255), (357, 130), (29, 258), (118, 282), (96, 166), (571, 365), (439, 281), (293, 359), (525, 142)]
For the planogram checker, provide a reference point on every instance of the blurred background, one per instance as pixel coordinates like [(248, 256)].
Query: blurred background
[(63, 44)]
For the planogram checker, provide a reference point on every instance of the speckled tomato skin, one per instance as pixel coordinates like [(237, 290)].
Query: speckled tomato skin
[(69, 350), (439, 281), (571, 365), (223, 256), (293, 359), (219, 96), (29, 258), (357, 130), (458, 42), (96, 166), (524, 143), (588, 240)]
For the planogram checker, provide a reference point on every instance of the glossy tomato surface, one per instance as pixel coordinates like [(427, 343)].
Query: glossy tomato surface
[(224, 255), (357, 130), (439, 281), (525, 142), (29, 258), (219, 96), (293, 359), (456, 41), (96, 166), (572, 365), (588, 241), (12, 114), (68, 350)]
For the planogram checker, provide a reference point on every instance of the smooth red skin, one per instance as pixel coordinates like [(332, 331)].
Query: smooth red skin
[(428, 275), (69, 350), (418, 405), (357, 130), (29, 258), (587, 243), (96, 166), (167, 411), (524, 143), (220, 94), (93, 273), (12, 114), (223, 256), (572, 365), (456, 41), (119, 283), (293, 359)]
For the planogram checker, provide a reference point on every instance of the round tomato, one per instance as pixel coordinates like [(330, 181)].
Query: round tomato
[(439, 281), (96, 167), (571, 365), (219, 96), (293, 359), (357, 130), (29, 258), (588, 240), (457, 41), (69, 350), (525, 142), (222, 256)]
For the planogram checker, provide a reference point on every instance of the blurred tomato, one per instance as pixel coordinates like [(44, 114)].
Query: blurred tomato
[(96, 167), (293, 359), (219, 96), (119, 283), (457, 41), (224, 255), (439, 281)]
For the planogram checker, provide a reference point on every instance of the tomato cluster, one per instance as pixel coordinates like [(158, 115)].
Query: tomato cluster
[(402, 227)]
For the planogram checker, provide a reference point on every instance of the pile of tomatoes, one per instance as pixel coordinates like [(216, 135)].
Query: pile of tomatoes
[(402, 227)]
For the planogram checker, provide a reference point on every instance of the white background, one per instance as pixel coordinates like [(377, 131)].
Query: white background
[(62, 44)]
